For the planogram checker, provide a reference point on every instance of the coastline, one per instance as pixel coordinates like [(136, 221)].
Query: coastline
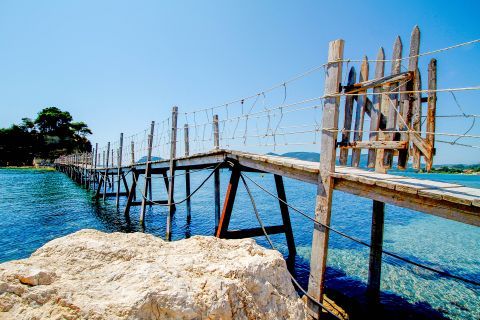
[(43, 168)]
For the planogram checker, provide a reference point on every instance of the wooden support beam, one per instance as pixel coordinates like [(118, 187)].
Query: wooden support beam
[(114, 194), (228, 203), (171, 181), (285, 215), (318, 260), (131, 194), (216, 174), (147, 174), (166, 182), (125, 184), (376, 241), (187, 173), (253, 232), (150, 202), (99, 186)]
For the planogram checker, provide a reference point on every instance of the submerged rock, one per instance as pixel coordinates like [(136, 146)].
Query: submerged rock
[(95, 275)]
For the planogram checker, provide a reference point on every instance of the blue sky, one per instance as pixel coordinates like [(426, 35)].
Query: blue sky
[(117, 65)]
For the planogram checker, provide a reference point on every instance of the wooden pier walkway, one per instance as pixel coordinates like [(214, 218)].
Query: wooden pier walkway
[(447, 200), (395, 131)]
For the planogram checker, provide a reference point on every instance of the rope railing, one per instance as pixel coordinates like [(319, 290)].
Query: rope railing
[(242, 121)]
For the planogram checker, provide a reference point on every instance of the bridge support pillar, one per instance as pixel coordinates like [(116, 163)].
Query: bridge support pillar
[(323, 207)]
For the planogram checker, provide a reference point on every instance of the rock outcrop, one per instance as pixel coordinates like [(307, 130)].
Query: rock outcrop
[(95, 275)]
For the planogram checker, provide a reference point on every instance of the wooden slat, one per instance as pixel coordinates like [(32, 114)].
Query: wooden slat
[(379, 81), (375, 115), (391, 121), (360, 114), (385, 104), (420, 144), (347, 122)]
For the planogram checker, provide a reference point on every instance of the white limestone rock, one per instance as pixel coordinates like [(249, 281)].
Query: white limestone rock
[(95, 275)]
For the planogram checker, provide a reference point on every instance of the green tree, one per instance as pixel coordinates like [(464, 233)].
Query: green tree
[(50, 135), (53, 120)]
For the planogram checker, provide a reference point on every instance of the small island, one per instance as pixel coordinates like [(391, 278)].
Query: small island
[(38, 142)]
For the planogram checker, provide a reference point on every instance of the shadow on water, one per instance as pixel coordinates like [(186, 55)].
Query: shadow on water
[(351, 295)]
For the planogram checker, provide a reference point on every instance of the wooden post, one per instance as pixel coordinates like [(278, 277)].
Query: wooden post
[(95, 165), (97, 175), (285, 214), (132, 163), (105, 173), (376, 241), (119, 169), (432, 105), (318, 260), (171, 182), (187, 173), (112, 185), (216, 134), (216, 177), (147, 174), (382, 105), (90, 167)]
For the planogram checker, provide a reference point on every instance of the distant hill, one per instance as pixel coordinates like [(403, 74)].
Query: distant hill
[(315, 157), (144, 159), (307, 156), (442, 168)]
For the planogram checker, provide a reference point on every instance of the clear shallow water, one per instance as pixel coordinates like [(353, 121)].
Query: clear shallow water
[(37, 206)]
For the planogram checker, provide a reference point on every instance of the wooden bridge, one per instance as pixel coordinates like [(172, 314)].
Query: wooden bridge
[(395, 132)]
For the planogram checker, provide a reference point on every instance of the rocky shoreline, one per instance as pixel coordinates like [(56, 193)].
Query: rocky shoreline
[(94, 275)]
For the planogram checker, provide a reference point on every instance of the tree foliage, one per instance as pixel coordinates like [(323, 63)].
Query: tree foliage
[(51, 134)]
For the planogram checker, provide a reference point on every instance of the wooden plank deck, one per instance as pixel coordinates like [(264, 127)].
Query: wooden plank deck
[(447, 200)]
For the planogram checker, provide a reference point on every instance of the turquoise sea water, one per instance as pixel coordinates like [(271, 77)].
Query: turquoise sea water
[(37, 206)]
